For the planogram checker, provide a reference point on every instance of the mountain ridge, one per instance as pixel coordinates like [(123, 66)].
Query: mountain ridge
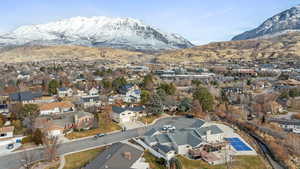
[(100, 31), (286, 21)]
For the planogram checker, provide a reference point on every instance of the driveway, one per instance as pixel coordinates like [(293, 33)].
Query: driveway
[(14, 159), (132, 125)]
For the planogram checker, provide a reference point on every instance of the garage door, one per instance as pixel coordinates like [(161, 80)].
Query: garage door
[(126, 119)]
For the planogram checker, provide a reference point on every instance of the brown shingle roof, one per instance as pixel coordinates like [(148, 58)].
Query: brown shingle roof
[(53, 105), (7, 129)]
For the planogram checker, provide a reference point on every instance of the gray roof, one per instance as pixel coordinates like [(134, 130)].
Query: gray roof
[(197, 124), (214, 130), (149, 139), (117, 109), (164, 148), (185, 137), (150, 132), (162, 138), (25, 96), (113, 158)]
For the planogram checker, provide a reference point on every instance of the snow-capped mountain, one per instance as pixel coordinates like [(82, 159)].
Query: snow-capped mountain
[(125, 33), (286, 21)]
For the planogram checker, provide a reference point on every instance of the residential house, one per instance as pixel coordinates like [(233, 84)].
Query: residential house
[(59, 125), (23, 75), (119, 156), (182, 141), (7, 132), (288, 125), (56, 108), (47, 126), (127, 114), (89, 101), (4, 109), (83, 120), (7, 137), (93, 92), (131, 93), (64, 92), (26, 97)]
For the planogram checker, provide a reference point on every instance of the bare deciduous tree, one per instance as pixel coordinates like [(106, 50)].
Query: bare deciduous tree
[(27, 158), (51, 145)]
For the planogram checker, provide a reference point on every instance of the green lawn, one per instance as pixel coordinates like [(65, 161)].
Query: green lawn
[(78, 160), (241, 162)]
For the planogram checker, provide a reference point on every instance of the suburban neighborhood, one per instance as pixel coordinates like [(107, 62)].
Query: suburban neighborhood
[(150, 84), (226, 102)]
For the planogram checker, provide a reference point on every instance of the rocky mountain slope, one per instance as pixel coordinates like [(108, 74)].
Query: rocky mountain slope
[(280, 47), (286, 21), (123, 33)]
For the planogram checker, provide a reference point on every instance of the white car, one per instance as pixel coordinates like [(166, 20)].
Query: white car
[(168, 128)]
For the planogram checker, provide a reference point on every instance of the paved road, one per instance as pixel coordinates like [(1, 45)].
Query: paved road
[(14, 160)]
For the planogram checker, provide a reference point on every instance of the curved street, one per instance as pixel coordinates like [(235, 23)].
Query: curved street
[(14, 160)]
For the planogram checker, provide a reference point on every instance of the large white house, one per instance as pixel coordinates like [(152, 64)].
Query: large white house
[(182, 141), (64, 92), (126, 114), (7, 132)]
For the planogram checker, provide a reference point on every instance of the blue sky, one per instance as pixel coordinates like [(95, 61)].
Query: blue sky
[(199, 21)]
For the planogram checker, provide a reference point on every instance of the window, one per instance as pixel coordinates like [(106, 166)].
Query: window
[(3, 134)]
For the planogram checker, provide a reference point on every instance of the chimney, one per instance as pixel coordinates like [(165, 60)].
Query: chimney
[(75, 118), (127, 155), (208, 132)]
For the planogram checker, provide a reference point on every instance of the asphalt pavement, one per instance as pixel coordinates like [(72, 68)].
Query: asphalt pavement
[(16, 159)]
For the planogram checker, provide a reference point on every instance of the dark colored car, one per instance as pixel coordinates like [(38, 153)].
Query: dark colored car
[(189, 116), (10, 146)]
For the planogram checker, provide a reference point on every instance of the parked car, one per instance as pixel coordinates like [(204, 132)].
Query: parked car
[(189, 116), (99, 135), (10, 146), (168, 128)]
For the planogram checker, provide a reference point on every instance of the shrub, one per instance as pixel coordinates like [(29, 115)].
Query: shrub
[(27, 139)]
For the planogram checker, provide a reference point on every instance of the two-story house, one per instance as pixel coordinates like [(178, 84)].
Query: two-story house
[(127, 114), (64, 92)]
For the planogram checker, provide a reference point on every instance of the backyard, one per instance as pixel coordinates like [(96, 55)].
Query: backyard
[(78, 160)]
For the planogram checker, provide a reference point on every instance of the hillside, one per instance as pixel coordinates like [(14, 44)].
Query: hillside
[(282, 46), (40, 53)]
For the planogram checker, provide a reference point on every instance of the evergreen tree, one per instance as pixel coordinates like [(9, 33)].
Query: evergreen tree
[(52, 87), (205, 98), (154, 105)]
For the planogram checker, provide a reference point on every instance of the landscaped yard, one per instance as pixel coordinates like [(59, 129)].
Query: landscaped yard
[(153, 161), (105, 126), (149, 119), (241, 162), (78, 160)]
